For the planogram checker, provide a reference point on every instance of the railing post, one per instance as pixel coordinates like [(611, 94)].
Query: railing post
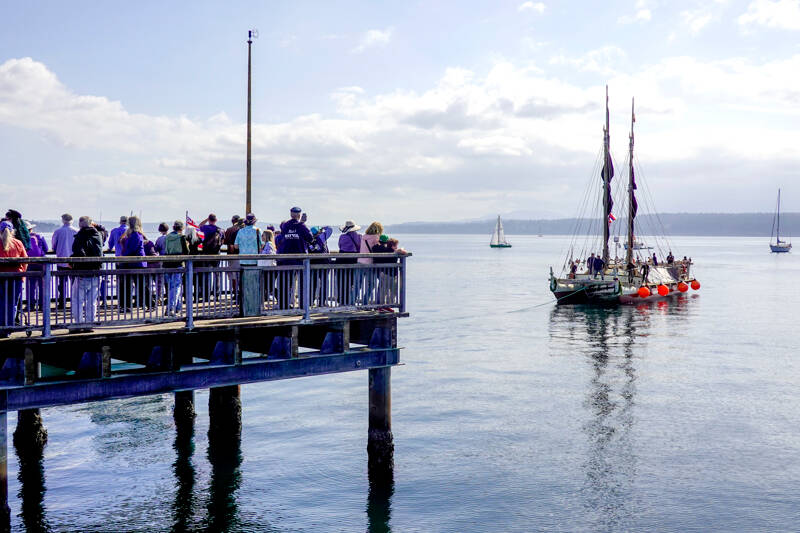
[(45, 296), (402, 284), (306, 289), (189, 294)]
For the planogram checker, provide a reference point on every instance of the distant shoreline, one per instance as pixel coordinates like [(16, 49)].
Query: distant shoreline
[(670, 224)]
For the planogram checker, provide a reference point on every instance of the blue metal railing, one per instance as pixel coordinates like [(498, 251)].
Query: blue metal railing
[(49, 297)]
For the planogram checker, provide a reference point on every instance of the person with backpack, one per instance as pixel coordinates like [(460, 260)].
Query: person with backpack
[(320, 281), (175, 243), (88, 242), (213, 239)]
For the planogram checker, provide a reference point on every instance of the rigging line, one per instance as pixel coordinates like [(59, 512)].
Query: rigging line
[(578, 222), (549, 302)]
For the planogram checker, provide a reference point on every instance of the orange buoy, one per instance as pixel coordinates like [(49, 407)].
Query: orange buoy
[(644, 292), (663, 290), (683, 287), (695, 285)]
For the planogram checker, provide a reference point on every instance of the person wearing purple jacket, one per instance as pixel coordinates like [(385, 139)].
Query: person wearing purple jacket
[(33, 285), (115, 237), (132, 245)]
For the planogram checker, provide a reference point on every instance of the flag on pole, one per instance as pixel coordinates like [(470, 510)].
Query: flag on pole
[(611, 218), (190, 222)]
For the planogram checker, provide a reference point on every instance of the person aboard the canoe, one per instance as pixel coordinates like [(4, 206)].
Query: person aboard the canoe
[(599, 267), (631, 268)]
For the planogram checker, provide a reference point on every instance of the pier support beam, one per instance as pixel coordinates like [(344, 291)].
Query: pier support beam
[(225, 411), (380, 443)]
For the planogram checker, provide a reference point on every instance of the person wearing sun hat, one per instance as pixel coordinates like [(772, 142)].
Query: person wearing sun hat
[(349, 241), (248, 239)]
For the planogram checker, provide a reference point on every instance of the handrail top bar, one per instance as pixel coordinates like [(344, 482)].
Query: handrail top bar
[(198, 257)]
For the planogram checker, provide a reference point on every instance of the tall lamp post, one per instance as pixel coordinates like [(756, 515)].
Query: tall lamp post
[(251, 34)]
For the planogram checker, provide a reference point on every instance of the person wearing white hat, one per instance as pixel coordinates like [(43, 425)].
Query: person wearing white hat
[(349, 240), (350, 243)]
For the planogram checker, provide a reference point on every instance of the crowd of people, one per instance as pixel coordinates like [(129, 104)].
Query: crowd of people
[(84, 287), (595, 266)]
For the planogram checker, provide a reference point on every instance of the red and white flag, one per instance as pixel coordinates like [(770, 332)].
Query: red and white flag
[(611, 218), (190, 222)]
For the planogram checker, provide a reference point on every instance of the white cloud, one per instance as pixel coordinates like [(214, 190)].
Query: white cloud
[(480, 140), (604, 60), (781, 14), (536, 7), (641, 15), (374, 38), (696, 20)]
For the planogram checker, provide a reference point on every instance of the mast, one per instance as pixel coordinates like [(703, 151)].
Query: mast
[(778, 232), (606, 184), (248, 205), (631, 195)]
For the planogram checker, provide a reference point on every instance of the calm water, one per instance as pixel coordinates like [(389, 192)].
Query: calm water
[(508, 416)]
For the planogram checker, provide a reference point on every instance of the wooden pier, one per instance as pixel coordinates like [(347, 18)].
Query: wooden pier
[(238, 324)]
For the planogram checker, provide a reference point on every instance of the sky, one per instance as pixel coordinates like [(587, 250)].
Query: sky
[(394, 111)]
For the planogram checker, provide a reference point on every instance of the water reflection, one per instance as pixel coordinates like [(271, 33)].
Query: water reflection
[(608, 339), (32, 489), (379, 499), (185, 475), (225, 456)]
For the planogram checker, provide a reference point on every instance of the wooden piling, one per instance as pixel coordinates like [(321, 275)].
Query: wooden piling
[(380, 443), (183, 412), (30, 437), (225, 411)]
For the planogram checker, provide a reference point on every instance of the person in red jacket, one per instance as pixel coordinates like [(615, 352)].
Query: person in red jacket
[(10, 288)]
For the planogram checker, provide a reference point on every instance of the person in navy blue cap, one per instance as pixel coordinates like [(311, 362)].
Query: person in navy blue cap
[(296, 238)]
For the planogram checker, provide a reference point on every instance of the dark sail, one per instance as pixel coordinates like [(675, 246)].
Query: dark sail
[(634, 203), (610, 165)]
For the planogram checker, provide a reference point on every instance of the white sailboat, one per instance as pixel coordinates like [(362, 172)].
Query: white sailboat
[(499, 236), (779, 246)]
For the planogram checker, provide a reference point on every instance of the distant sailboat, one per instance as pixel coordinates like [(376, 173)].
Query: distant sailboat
[(779, 246), (499, 236)]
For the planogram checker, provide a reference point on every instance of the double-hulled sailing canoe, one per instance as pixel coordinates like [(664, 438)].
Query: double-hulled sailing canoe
[(590, 274)]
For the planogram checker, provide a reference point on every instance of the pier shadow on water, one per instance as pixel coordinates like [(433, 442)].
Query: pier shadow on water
[(610, 340)]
